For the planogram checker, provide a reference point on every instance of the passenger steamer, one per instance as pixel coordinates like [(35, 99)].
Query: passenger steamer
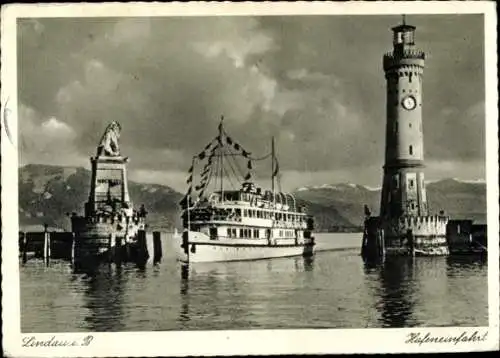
[(242, 223)]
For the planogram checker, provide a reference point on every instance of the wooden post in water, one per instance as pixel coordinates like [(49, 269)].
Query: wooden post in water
[(24, 246), (142, 249), (411, 242), (73, 248), (118, 249), (125, 256), (382, 243), (46, 244), (157, 250), (111, 246)]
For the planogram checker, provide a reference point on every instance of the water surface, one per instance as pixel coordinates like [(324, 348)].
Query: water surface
[(335, 289)]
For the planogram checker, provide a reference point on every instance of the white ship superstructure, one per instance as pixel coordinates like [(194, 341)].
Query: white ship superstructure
[(243, 223)]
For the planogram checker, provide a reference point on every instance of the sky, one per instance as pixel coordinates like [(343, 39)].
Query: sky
[(315, 83)]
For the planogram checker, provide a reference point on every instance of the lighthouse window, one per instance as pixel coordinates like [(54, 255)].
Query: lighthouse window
[(411, 150)]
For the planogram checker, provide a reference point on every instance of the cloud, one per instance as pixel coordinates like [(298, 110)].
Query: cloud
[(315, 83), (46, 140)]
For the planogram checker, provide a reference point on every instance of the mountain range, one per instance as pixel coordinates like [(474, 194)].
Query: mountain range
[(48, 193)]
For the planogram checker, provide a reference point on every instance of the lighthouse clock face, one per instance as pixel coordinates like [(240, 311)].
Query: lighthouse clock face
[(409, 103)]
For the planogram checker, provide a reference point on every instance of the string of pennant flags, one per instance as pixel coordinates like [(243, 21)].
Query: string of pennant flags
[(209, 153)]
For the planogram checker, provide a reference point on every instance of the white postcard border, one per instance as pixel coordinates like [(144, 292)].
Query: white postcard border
[(255, 342)]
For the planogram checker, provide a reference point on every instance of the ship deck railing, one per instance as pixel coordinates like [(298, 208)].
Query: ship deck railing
[(266, 223)]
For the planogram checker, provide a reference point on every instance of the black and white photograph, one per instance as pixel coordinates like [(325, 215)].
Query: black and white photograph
[(257, 178)]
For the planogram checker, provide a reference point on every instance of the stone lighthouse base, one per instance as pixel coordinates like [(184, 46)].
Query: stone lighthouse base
[(406, 236)]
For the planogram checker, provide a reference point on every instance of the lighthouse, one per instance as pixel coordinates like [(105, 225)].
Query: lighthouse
[(403, 189), (405, 225)]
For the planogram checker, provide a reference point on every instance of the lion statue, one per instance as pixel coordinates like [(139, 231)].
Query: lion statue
[(109, 141)]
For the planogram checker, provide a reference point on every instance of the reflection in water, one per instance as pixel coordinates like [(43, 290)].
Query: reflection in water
[(395, 299), (455, 264), (308, 263), (184, 311), (405, 283), (372, 264), (234, 291), (104, 298), (329, 290)]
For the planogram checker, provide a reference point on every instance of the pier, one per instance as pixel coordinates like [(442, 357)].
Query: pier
[(54, 245)]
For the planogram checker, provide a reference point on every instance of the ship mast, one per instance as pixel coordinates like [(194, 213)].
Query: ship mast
[(221, 160), (272, 171)]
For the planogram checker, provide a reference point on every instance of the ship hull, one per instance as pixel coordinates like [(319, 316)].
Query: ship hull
[(205, 250)]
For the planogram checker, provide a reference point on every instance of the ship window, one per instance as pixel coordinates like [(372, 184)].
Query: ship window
[(234, 232), (411, 150), (241, 233), (245, 212), (228, 232), (238, 212), (411, 183)]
